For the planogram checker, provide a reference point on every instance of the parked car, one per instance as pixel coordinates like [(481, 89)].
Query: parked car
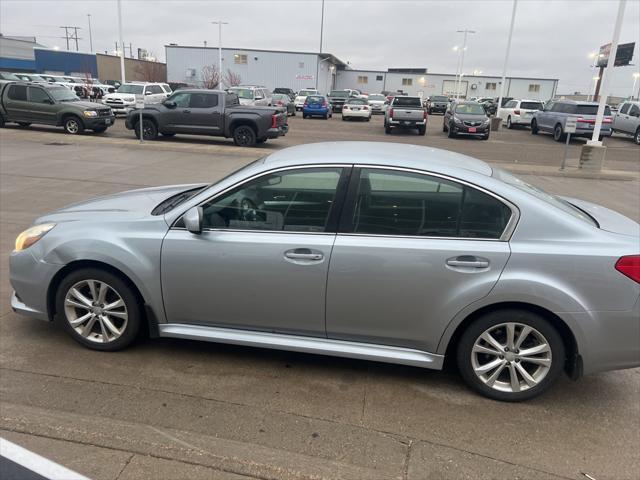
[(520, 112), (378, 103), (490, 105), (124, 99), (283, 100), (338, 98), (627, 120), (356, 108), (252, 95), (301, 97), (316, 106), (209, 112), (406, 112), (30, 77), (437, 103), (467, 119), (42, 103), (514, 284), (9, 76), (555, 114), (287, 91)]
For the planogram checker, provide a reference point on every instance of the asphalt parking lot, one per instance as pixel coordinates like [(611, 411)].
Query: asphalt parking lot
[(181, 409)]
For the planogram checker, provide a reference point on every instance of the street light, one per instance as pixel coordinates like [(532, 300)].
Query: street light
[(464, 48), (458, 49), (220, 23)]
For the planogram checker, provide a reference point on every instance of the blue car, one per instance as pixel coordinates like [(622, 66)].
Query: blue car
[(316, 106)]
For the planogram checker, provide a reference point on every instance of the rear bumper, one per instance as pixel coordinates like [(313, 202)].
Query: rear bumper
[(588, 131), (320, 112), (407, 123), (276, 132), (356, 113)]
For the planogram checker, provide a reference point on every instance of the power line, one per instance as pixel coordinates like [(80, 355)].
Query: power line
[(71, 36)]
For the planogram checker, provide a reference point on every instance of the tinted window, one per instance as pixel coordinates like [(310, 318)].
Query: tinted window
[(204, 100), (38, 95), (18, 92), (530, 105), (411, 204), (591, 110), (407, 102), (634, 111), (511, 104), (294, 200), (625, 108), (557, 107), (154, 89)]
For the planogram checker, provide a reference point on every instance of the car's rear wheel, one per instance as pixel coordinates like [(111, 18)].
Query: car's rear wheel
[(558, 134), (534, 127), (422, 130), (73, 125), (98, 309), (244, 136), (510, 355), (636, 137), (509, 124), (387, 129)]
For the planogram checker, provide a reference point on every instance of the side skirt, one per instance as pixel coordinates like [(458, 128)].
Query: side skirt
[(295, 343)]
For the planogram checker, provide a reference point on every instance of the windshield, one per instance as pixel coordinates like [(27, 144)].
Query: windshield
[(407, 102), (279, 96), (542, 195), (135, 89), (304, 93), (339, 93), (470, 109), (245, 93), (377, 97), (531, 105), (439, 98), (63, 94)]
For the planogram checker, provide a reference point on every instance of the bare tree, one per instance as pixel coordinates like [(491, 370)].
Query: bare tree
[(232, 79), (210, 76), (149, 71)]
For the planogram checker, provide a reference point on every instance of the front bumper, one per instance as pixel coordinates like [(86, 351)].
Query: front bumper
[(98, 122), (480, 130), (122, 108)]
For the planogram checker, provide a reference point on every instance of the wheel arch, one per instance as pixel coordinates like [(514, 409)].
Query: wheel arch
[(66, 114), (237, 122)]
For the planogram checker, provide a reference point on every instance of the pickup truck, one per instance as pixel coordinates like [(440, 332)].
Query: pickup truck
[(627, 120), (48, 104), (406, 112), (209, 112)]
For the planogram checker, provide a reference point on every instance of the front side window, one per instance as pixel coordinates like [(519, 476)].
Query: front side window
[(181, 99), (38, 95), (154, 89), (18, 92), (166, 88), (625, 108), (291, 201), (412, 204), (634, 111)]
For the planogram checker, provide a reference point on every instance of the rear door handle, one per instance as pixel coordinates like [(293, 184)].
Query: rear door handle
[(303, 254), (468, 261)]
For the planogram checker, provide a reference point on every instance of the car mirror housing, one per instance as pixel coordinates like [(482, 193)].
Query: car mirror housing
[(193, 220), (170, 104)]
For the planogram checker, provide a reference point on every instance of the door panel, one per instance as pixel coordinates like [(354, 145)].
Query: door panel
[(41, 112), (205, 113)]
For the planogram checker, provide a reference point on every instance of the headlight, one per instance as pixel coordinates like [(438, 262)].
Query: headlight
[(90, 113), (129, 99), (32, 235), (457, 120)]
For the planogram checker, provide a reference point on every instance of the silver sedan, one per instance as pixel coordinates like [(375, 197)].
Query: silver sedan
[(383, 252)]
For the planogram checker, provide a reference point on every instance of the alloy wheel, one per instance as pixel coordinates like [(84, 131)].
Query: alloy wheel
[(72, 126), (96, 311), (511, 357)]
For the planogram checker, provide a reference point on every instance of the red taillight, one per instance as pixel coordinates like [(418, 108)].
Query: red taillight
[(305, 104), (629, 266), (325, 104), (345, 107), (391, 113), (280, 102), (365, 108), (607, 120), (274, 121), (516, 112)]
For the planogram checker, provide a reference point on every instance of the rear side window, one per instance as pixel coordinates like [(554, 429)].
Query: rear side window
[(512, 104), (204, 100), (18, 92), (411, 204)]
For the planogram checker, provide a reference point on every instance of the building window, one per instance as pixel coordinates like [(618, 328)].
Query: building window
[(407, 81), (491, 86), (378, 78), (300, 64), (240, 59), (534, 87), (363, 79)]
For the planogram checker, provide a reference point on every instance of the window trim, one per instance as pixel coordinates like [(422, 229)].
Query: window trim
[(345, 225), (334, 216)]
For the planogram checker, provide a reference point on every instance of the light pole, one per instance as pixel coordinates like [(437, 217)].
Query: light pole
[(464, 48), (320, 52), (90, 37), (591, 95), (220, 23), (121, 42), (506, 58), (457, 49), (636, 76)]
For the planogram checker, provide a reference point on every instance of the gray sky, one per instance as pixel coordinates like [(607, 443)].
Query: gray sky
[(552, 38)]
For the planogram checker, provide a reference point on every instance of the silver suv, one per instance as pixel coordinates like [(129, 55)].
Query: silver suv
[(252, 94), (554, 118), (627, 120)]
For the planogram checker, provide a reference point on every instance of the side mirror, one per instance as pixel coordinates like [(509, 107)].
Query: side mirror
[(193, 220), (170, 104)]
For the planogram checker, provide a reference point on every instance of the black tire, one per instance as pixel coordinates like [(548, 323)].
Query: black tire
[(99, 129), (509, 124), (558, 134), (495, 319), (636, 137), (387, 129), (422, 130), (73, 125), (24, 124), (444, 127), (149, 129), (1, 121), (344, 119), (368, 119), (534, 127), (304, 115), (326, 116), (244, 136), (122, 288), (450, 132), (171, 134)]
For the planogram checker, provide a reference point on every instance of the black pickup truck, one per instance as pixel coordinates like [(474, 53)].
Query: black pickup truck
[(209, 112)]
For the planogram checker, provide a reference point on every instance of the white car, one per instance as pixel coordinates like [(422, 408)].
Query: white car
[(356, 108), (252, 95), (519, 112), (302, 95), (124, 99), (377, 102)]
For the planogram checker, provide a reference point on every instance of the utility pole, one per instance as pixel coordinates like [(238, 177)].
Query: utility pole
[(71, 36), (90, 37), (121, 41), (321, 32), (506, 57), (220, 23), (464, 48)]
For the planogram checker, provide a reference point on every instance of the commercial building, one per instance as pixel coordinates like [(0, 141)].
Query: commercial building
[(296, 70), (17, 53)]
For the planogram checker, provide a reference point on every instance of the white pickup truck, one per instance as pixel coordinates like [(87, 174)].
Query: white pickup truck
[(627, 120), (406, 112)]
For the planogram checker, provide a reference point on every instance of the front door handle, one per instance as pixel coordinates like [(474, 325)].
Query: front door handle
[(303, 254), (468, 261), (186, 111)]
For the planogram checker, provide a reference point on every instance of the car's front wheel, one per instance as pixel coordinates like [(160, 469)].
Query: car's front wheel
[(558, 134), (149, 129), (73, 125), (509, 124), (98, 309), (510, 355)]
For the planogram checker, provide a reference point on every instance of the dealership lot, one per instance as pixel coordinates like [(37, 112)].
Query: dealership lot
[(186, 409)]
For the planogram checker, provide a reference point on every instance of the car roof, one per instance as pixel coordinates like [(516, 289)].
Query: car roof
[(378, 153)]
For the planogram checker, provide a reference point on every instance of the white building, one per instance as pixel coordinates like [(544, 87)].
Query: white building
[(296, 70), (422, 83)]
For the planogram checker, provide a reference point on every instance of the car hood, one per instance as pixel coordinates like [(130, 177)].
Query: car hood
[(87, 105), (130, 204), (120, 95), (608, 219), (465, 117)]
